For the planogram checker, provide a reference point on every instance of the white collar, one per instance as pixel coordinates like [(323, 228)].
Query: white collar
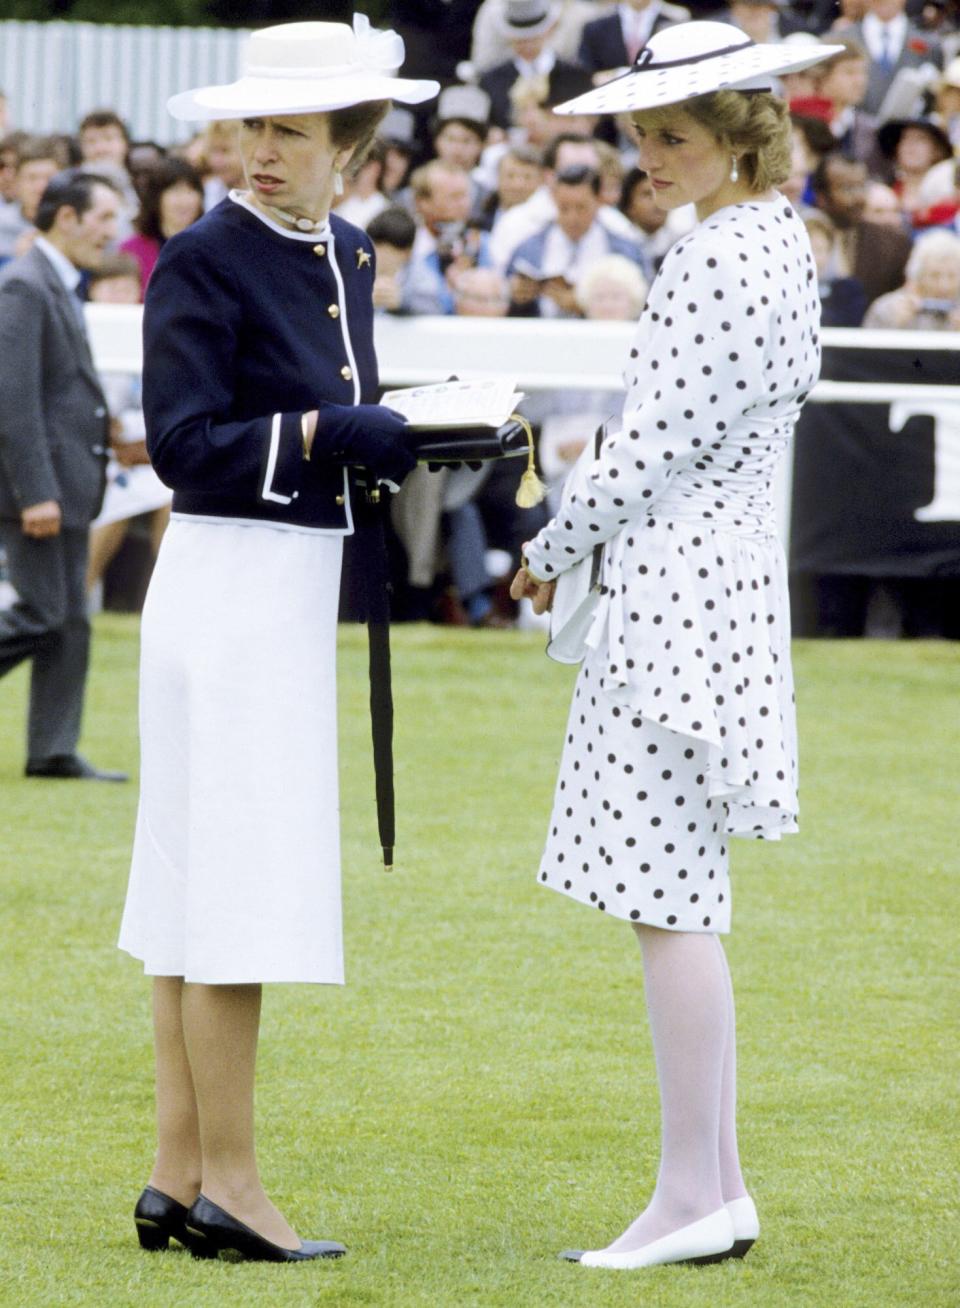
[(68, 273), (542, 66), (322, 234), (873, 27), (424, 243)]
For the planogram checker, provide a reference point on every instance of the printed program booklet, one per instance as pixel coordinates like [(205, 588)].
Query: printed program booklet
[(456, 404)]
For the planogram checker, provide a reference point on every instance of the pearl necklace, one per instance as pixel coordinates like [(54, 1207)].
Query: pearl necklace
[(301, 224)]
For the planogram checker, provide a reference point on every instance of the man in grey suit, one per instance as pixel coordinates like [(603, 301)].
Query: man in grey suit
[(54, 433), (892, 44)]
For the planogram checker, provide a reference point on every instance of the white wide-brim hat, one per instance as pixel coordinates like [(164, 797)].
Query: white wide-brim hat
[(695, 58), (304, 68)]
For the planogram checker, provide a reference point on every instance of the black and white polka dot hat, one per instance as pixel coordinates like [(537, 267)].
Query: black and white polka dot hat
[(696, 58)]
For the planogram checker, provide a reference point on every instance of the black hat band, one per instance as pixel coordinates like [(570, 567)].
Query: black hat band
[(645, 64)]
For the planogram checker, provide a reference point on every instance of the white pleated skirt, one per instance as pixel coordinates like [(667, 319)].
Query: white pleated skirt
[(235, 876)]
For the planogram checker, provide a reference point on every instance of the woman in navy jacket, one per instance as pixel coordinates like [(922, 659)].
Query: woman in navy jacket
[(259, 382)]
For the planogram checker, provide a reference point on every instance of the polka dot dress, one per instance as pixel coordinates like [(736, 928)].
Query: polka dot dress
[(682, 729)]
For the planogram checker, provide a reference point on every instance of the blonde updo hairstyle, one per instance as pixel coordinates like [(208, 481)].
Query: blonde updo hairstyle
[(753, 125)]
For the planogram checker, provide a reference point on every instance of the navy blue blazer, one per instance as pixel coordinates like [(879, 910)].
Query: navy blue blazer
[(564, 82), (245, 329), (601, 42)]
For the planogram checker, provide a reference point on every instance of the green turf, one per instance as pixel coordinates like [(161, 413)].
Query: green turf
[(481, 1093)]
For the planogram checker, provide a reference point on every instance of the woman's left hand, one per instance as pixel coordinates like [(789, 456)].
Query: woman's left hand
[(540, 593)]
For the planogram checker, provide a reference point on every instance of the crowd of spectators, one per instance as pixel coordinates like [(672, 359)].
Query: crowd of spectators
[(489, 204)]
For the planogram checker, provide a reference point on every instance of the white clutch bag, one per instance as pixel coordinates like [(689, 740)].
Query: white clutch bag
[(577, 592)]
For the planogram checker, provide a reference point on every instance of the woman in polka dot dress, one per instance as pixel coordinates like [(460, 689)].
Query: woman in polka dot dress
[(682, 730)]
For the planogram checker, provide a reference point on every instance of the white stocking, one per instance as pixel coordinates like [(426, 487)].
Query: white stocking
[(731, 1178), (689, 1008)]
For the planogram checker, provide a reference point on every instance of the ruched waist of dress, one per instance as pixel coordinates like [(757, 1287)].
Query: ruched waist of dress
[(719, 510), (730, 487)]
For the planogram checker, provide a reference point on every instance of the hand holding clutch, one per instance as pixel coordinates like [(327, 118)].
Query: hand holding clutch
[(369, 436), (526, 586)]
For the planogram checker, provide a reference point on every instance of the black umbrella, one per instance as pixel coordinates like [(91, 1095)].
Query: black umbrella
[(434, 447), (375, 590)]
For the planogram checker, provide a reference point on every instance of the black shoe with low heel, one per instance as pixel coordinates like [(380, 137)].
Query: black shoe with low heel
[(740, 1248), (159, 1219), (213, 1233)]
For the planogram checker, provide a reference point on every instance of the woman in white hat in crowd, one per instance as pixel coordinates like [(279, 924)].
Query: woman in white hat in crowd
[(681, 732), (258, 387)]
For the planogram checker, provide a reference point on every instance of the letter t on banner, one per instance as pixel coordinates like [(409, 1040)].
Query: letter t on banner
[(945, 505)]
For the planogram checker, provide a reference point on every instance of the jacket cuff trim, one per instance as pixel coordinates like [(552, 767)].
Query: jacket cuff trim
[(282, 471)]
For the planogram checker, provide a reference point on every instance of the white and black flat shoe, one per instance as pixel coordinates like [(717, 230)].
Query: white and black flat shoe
[(746, 1225), (710, 1240)]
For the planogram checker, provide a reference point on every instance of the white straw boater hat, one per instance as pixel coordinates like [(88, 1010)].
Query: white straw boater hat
[(302, 68), (695, 58)]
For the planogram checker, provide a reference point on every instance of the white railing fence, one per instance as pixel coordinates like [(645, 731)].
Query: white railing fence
[(549, 355), (54, 73)]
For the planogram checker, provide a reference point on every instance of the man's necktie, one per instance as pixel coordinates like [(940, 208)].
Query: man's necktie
[(886, 50), (634, 41)]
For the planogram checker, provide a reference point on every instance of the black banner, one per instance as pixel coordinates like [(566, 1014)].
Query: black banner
[(876, 489)]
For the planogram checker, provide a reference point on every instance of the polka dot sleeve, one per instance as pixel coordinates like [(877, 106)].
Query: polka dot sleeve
[(697, 363)]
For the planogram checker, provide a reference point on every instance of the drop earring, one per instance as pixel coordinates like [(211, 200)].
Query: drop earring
[(734, 169), (337, 182)]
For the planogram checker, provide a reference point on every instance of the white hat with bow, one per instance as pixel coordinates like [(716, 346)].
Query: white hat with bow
[(303, 68)]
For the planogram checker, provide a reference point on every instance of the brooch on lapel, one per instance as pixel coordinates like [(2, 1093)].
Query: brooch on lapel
[(363, 258)]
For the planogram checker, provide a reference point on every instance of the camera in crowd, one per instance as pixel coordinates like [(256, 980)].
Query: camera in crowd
[(457, 243)]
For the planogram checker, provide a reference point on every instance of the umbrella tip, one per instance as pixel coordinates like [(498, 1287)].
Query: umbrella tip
[(388, 858)]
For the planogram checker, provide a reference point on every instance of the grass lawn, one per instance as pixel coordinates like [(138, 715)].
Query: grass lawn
[(481, 1094)]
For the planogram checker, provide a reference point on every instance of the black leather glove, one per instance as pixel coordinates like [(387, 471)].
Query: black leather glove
[(369, 436)]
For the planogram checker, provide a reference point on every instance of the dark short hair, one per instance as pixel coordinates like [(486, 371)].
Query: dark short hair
[(393, 226), (67, 149), (14, 142), (528, 155), (565, 138), (103, 118), (579, 175), (815, 132), (146, 145), (631, 181), (37, 147), (164, 174), (471, 124), (71, 189), (820, 177)]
